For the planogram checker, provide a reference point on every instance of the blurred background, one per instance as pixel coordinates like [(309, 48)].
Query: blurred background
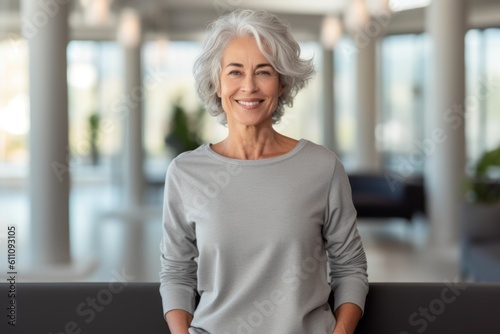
[(97, 97)]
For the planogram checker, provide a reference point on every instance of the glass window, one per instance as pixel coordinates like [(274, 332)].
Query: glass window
[(14, 103), (403, 97), (473, 71), (95, 77), (304, 119), (482, 92), (167, 75), (344, 86)]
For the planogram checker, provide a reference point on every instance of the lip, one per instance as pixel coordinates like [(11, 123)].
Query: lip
[(250, 103)]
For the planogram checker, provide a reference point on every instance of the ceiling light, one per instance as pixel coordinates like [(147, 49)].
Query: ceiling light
[(129, 28), (331, 31), (357, 16), (97, 12), (398, 5)]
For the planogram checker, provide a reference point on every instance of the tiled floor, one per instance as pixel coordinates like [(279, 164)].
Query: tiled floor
[(103, 243), (400, 252), (396, 251)]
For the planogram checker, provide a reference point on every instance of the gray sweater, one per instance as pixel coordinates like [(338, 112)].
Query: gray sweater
[(253, 238)]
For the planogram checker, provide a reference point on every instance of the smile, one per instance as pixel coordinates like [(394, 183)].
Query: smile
[(249, 103)]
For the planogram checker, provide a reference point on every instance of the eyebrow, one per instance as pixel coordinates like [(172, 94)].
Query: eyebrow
[(240, 65)]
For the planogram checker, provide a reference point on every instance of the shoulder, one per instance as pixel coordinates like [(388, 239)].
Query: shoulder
[(191, 157), (188, 160), (319, 154), (322, 162)]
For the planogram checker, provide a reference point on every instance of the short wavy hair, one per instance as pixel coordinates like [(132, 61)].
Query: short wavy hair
[(275, 41)]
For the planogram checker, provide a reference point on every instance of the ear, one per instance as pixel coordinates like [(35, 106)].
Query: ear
[(281, 89)]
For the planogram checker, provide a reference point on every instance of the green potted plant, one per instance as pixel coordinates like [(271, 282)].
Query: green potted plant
[(183, 134), (481, 212), (94, 121)]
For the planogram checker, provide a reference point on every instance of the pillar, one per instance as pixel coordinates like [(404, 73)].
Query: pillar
[(133, 148), (329, 133), (366, 154), (45, 26), (445, 164), (133, 165), (133, 157)]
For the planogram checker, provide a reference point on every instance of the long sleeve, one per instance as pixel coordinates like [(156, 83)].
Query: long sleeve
[(250, 237), (178, 249), (346, 256)]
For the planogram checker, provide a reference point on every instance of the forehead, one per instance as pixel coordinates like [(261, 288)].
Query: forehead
[(243, 49)]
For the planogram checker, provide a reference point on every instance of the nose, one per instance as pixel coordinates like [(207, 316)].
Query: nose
[(248, 85)]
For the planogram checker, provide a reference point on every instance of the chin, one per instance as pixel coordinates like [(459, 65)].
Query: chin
[(253, 121)]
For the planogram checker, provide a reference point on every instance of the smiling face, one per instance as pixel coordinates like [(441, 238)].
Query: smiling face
[(249, 86)]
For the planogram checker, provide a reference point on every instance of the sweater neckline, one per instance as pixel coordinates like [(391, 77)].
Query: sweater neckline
[(211, 153)]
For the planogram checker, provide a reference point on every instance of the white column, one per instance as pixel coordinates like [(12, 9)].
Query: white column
[(45, 25), (329, 133), (133, 175), (445, 164), (133, 165), (133, 171), (367, 157)]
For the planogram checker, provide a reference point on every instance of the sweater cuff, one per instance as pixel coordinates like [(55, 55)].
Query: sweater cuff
[(350, 290), (178, 298)]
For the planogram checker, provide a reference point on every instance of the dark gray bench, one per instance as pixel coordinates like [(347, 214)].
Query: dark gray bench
[(107, 308), (383, 196), (481, 260)]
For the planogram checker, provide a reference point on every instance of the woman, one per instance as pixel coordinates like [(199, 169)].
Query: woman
[(250, 222)]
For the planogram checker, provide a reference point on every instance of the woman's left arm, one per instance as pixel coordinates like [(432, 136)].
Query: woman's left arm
[(347, 316), (346, 256)]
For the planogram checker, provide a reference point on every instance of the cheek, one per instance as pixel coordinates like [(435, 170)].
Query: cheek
[(226, 88)]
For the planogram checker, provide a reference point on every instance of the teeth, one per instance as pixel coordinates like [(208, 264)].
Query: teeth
[(249, 104)]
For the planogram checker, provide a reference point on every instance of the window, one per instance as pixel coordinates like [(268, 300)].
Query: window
[(95, 77), (401, 127), (345, 113), (14, 103), (482, 92)]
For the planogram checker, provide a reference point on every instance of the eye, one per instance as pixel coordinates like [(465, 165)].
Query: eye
[(235, 72), (264, 73)]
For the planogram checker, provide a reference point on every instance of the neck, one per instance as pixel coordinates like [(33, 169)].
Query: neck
[(254, 143)]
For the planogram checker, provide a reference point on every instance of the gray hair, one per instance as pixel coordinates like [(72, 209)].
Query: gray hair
[(275, 41)]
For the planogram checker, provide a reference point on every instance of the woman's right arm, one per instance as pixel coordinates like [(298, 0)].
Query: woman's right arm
[(178, 275), (178, 321)]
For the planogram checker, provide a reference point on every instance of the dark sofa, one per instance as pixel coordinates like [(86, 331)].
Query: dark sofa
[(383, 196), (95, 308), (480, 242)]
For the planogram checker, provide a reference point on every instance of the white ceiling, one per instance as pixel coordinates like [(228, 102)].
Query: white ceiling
[(187, 19)]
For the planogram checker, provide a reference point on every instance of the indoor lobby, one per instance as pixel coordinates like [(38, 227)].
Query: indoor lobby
[(96, 97)]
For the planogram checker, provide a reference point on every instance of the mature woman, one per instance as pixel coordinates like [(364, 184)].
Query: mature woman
[(250, 222)]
